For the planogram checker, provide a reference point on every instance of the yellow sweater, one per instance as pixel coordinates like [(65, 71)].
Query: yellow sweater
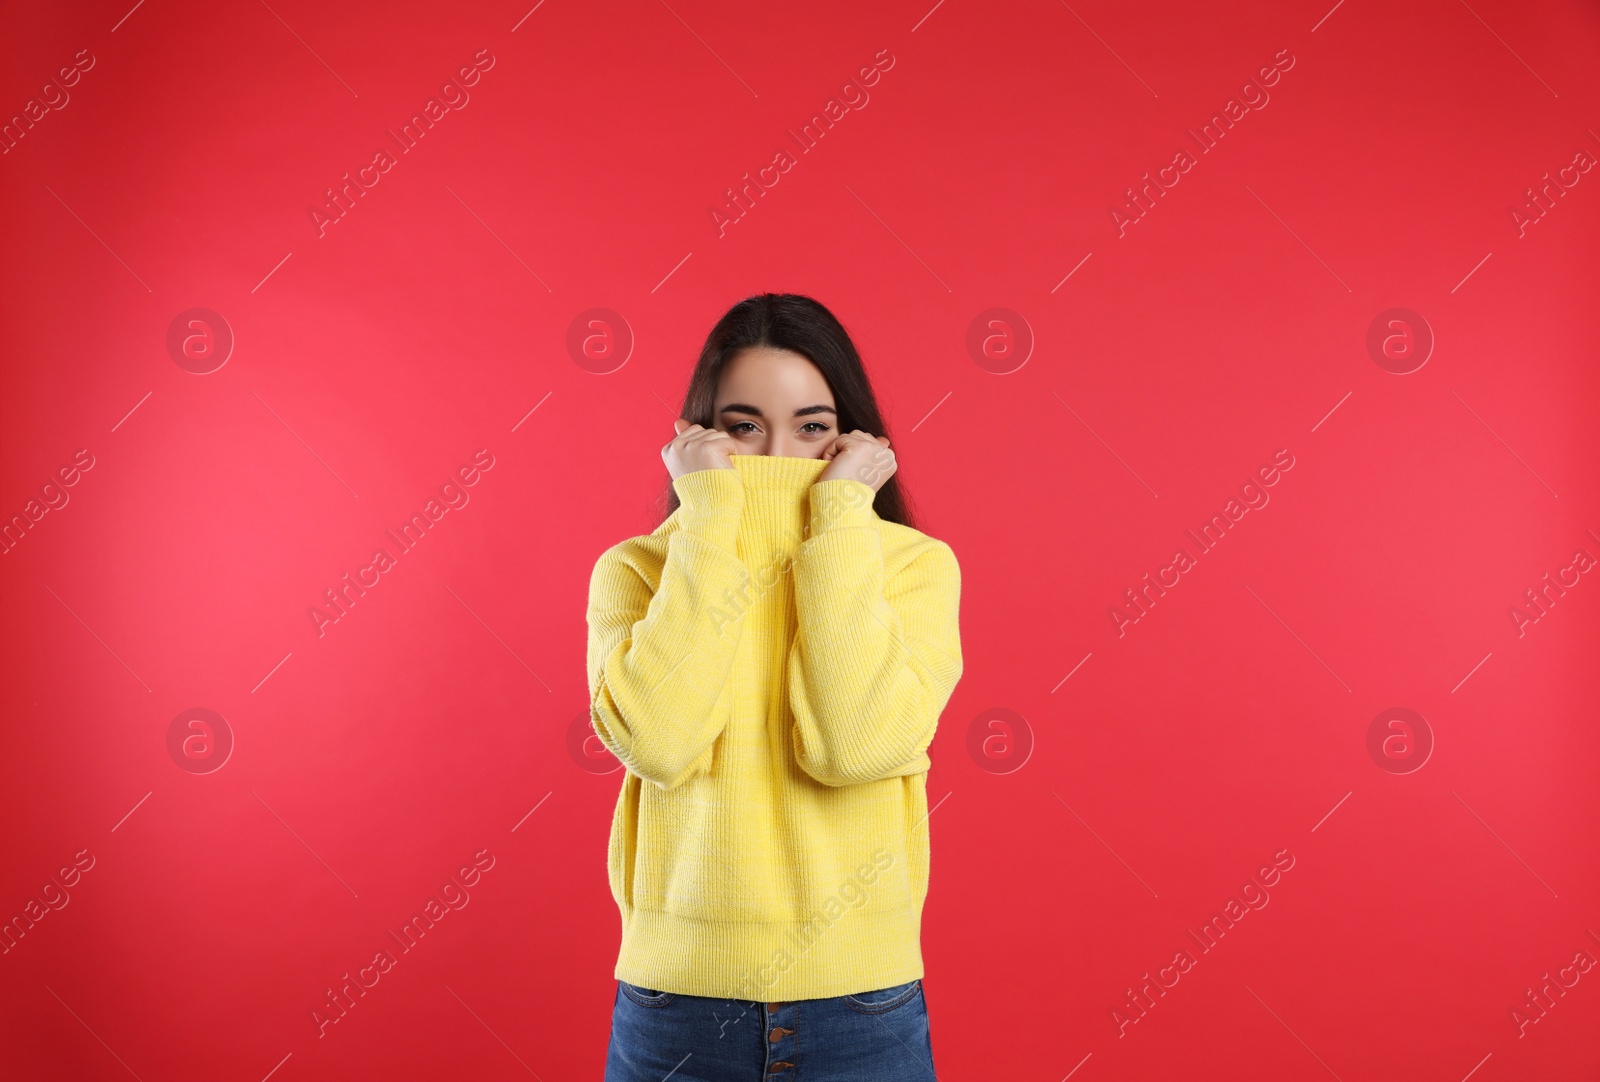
[(770, 664)]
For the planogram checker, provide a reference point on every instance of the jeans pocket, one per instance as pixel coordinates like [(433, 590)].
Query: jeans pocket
[(884, 999), (645, 997)]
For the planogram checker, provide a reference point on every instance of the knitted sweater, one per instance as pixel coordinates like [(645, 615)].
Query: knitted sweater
[(770, 664)]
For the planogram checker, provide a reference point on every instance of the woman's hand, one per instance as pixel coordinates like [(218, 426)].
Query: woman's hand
[(697, 448), (861, 456)]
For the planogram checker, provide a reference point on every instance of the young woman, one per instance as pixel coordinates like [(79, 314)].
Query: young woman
[(770, 664)]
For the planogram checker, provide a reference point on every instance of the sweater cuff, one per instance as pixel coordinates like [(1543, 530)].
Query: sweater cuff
[(710, 504), (840, 503)]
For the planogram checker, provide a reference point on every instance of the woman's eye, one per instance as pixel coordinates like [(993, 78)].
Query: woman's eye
[(738, 428), (816, 427)]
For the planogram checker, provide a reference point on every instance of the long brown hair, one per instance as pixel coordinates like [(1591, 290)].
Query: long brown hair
[(798, 323)]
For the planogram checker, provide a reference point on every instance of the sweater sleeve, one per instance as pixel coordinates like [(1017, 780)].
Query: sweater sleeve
[(874, 658), (659, 661)]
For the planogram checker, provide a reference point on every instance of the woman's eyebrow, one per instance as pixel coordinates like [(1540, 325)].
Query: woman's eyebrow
[(803, 411)]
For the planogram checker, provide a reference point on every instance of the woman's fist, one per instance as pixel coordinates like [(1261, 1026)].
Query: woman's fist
[(697, 448), (862, 456)]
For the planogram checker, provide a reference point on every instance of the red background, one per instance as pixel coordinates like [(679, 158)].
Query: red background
[(430, 321)]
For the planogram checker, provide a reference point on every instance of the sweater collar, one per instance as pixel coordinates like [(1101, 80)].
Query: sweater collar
[(792, 475), (777, 497)]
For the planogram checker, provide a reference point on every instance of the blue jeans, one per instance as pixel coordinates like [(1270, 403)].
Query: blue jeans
[(879, 1036)]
